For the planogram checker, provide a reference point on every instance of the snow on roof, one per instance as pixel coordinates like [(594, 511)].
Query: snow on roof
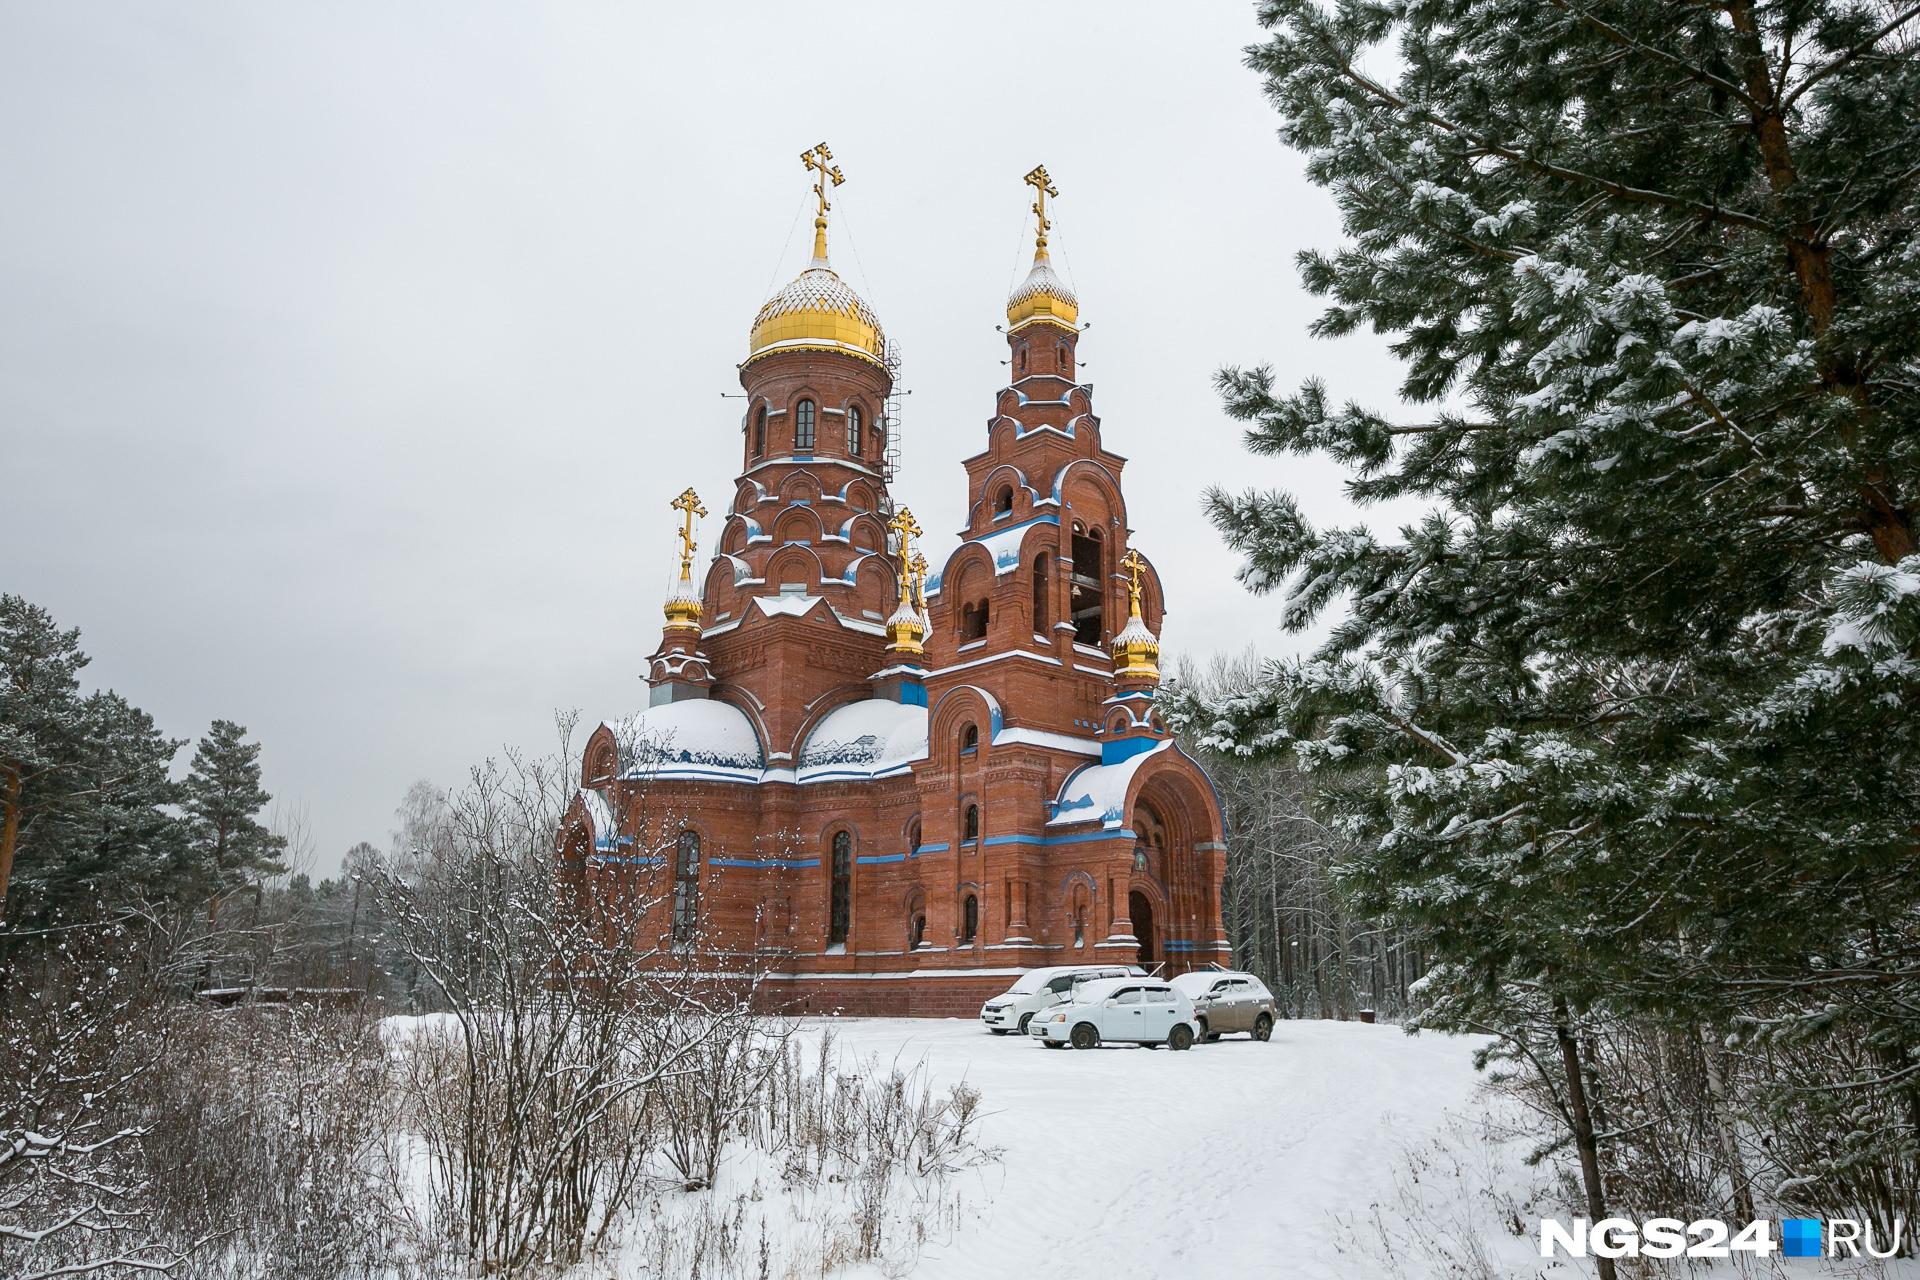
[(600, 816), (699, 738), (791, 606), (873, 738), (1004, 544), (1098, 792)]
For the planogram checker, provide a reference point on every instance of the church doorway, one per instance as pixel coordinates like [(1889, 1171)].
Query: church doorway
[(1142, 912)]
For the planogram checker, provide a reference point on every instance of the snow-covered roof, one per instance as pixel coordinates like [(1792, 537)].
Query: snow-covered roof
[(1004, 544), (699, 738), (873, 738), (1098, 792)]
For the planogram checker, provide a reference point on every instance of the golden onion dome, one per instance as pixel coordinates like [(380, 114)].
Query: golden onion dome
[(1042, 296), (818, 312)]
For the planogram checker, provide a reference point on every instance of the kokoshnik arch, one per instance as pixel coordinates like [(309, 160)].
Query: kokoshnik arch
[(884, 791)]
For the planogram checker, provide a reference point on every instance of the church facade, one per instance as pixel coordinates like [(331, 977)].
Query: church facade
[(881, 790)]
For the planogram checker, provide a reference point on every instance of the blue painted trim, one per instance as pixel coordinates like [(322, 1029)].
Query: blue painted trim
[(629, 862), (930, 848), (1177, 946), (912, 693), (1113, 751), (995, 533), (1121, 834), (882, 857), (789, 864)]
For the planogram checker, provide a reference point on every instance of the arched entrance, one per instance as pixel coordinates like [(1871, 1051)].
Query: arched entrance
[(1141, 911)]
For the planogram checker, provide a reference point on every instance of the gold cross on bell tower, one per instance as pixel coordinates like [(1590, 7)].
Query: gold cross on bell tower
[(903, 524), (688, 504), (820, 158), (1042, 188), (1132, 562)]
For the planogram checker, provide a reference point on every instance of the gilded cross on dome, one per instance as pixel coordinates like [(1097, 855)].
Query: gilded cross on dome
[(920, 567), (688, 504), (1132, 563), (903, 524), (820, 158), (1042, 188)]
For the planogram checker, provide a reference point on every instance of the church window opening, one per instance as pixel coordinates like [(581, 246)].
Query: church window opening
[(913, 837), (970, 738), (1089, 587), (853, 430), (970, 920), (1040, 593), (803, 426), (973, 621), (760, 432), (1061, 359), (840, 904), (971, 827), (1020, 366), (686, 887), (917, 936), (1003, 501)]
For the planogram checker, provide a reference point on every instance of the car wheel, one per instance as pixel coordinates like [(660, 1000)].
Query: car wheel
[(1025, 1018), (1085, 1037), (1182, 1038), (1262, 1027), (999, 1031)]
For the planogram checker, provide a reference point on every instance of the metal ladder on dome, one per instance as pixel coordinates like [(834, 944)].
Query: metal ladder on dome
[(890, 425)]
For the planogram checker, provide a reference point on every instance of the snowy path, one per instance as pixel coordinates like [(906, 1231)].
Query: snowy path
[(1228, 1160)]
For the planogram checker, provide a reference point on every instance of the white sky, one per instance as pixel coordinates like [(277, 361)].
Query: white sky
[(349, 354)]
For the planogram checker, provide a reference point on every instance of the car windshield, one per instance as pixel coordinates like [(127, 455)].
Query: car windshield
[(1195, 984), (1028, 983)]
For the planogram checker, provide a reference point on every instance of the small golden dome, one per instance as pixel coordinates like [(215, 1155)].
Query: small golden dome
[(818, 312), (683, 606), (1042, 296)]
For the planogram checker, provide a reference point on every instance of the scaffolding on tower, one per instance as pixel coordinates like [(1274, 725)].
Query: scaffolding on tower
[(890, 421)]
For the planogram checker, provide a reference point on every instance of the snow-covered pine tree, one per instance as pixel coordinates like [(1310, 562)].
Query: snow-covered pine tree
[(84, 789), (232, 846), (1627, 720)]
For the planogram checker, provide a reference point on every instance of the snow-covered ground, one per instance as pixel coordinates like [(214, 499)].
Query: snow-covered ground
[(1233, 1159)]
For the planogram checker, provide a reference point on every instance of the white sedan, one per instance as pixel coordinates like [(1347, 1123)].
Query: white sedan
[(1122, 1010)]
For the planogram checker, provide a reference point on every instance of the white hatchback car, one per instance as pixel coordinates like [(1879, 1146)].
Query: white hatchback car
[(1129, 1010), (1039, 989), (1225, 1001)]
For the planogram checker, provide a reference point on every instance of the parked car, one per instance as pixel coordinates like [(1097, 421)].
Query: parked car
[(1039, 989), (1126, 1010), (1224, 1001)]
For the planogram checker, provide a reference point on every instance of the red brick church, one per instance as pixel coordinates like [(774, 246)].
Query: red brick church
[(887, 792)]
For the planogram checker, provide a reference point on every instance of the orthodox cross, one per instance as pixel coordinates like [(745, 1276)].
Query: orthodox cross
[(1042, 188), (920, 581), (688, 504), (822, 159), (902, 524), (1132, 562)]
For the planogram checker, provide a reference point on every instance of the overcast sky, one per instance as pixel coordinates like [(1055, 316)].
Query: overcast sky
[(350, 353)]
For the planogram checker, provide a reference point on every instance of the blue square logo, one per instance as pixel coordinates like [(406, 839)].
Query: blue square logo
[(1800, 1237)]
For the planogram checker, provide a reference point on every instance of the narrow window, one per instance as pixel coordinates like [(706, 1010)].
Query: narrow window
[(1061, 359), (970, 920), (1003, 501), (686, 887), (973, 822), (760, 432), (853, 430), (970, 737), (1089, 587), (1040, 594), (1022, 365), (913, 837), (803, 426), (840, 907), (918, 934), (973, 622)]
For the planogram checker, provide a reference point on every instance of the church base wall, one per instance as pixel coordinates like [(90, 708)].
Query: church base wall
[(934, 995)]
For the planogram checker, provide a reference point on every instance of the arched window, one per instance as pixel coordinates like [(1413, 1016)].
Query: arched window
[(853, 430), (1020, 366), (917, 934), (1003, 501), (1061, 359), (1089, 587), (969, 920), (803, 426), (970, 737), (1040, 593), (840, 903), (913, 836), (972, 827), (686, 887), (760, 432), (973, 621)]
